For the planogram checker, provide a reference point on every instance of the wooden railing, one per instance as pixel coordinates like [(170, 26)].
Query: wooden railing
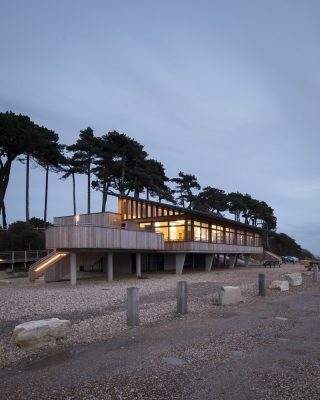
[(101, 237), (15, 257)]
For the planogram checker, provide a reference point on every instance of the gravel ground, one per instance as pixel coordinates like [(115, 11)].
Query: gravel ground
[(96, 308)]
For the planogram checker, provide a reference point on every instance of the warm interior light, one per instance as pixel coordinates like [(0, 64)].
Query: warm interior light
[(60, 255)]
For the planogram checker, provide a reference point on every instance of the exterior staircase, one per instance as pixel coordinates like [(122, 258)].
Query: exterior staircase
[(39, 267), (268, 255)]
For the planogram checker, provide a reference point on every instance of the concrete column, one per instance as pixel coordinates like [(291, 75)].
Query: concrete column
[(209, 261), (182, 297), (110, 267), (73, 269), (180, 258), (133, 306), (246, 260), (232, 261), (138, 265)]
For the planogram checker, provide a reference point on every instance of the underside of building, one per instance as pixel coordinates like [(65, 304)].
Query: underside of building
[(144, 236)]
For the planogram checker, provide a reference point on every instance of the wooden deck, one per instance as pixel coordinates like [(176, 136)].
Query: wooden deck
[(101, 237), (202, 247)]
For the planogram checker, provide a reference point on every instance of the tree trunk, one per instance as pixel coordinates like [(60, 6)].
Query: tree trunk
[(4, 180), (105, 189), (122, 177), (46, 196), (74, 194), (148, 194), (4, 217), (89, 193), (27, 186)]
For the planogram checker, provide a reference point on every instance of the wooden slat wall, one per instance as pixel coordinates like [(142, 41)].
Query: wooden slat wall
[(207, 247), (101, 219), (86, 237)]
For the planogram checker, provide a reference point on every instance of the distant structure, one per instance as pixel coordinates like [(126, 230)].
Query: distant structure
[(143, 236)]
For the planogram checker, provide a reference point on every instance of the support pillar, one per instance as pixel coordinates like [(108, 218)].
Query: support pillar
[(180, 258), (138, 265), (209, 261), (73, 269), (246, 260), (232, 260), (110, 267)]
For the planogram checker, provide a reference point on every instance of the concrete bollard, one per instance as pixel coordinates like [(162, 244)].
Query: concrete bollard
[(133, 306), (315, 273), (262, 284), (182, 297)]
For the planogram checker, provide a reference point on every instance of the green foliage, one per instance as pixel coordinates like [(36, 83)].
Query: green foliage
[(284, 245), (211, 200), (23, 236), (186, 184)]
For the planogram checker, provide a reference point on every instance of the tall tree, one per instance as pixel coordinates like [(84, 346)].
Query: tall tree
[(186, 184), (15, 135), (70, 167), (211, 200), (85, 150)]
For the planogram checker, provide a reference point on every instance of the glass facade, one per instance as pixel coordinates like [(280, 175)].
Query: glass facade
[(182, 229)]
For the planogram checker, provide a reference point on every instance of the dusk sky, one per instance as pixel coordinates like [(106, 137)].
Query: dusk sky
[(226, 90)]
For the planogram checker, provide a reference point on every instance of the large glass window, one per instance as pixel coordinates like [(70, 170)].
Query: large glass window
[(201, 231), (146, 226), (250, 239), (177, 230), (173, 230), (217, 234), (257, 240), (230, 236), (241, 238)]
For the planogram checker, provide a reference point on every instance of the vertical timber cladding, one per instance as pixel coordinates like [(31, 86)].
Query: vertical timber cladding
[(197, 226)]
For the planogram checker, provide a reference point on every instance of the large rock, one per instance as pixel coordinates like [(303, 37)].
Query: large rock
[(229, 295), (40, 333), (294, 279), (280, 285)]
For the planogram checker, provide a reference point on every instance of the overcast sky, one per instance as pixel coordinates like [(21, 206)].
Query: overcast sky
[(226, 90)]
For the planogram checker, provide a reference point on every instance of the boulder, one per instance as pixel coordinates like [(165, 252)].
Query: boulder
[(40, 333), (5, 282), (294, 279), (280, 285), (229, 295)]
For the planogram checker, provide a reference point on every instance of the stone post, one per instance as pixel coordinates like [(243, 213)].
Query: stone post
[(315, 269), (133, 306), (182, 297), (73, 269), (262, 284), (209, 261)]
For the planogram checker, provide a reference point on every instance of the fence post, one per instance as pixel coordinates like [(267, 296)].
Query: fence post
[(132, 306), (315, 273), (182, 297), (25, 259), (262, 284)]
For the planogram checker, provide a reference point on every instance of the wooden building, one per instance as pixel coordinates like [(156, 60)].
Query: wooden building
[(144, 236)]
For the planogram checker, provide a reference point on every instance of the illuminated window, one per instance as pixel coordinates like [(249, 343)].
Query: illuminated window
[(129, 209), (144, 213), (134, 214), (230, 236), (250, 239), (241, 238), (201, 231), (138, 209), (146, 226), (217, 234)]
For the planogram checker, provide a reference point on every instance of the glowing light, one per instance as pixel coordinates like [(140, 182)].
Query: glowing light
[(51, 260)]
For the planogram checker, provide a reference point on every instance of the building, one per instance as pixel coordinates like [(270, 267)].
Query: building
[(143, 236)]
